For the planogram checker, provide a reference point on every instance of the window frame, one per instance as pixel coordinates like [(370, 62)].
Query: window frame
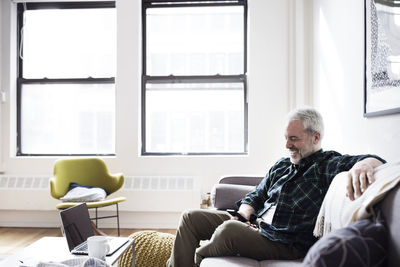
[(147, 79), (21, 80)]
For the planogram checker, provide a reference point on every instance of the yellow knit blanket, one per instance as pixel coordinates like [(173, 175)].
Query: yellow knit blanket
[(152, 249)]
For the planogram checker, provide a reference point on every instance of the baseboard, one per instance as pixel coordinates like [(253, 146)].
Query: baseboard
[(51, 219)]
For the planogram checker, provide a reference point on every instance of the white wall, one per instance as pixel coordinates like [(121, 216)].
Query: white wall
[(268, 65), (283, 36), (339, 80), (1, 67)]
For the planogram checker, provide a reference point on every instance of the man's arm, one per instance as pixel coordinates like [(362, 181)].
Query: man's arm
[(360, 176)]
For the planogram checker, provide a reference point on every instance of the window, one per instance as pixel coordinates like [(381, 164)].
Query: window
[(65, 86), (194, 77)]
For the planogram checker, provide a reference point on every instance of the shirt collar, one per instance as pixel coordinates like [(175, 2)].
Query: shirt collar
[(306, 161)]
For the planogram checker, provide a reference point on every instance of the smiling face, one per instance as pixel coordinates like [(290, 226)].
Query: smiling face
[(300, 143)]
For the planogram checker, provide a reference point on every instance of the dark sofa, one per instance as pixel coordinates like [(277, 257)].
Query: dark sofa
[(230, 189)]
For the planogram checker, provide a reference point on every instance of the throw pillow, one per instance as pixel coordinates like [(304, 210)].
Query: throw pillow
[(362, 243), (80, 193)]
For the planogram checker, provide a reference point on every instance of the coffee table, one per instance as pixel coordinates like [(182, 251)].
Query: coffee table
[(55, 249)]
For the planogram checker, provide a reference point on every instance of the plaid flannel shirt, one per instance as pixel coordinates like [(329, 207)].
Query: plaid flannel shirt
[(297, 190)]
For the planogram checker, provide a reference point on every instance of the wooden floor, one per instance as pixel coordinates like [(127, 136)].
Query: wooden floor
[(13, 239)]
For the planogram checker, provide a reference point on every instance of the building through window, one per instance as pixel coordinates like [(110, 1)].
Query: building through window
[(194, 77), (65, 86)]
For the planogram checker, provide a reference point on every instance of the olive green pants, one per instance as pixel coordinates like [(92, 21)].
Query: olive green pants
[(226, 238)]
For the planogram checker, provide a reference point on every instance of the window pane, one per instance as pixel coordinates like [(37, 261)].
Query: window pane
[(195, 118), (195, 41), (69, 43), (67, 119)]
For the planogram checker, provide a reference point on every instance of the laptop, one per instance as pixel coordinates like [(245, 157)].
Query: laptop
[(77, 228)]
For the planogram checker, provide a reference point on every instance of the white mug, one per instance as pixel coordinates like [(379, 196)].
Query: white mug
[(98, 247)]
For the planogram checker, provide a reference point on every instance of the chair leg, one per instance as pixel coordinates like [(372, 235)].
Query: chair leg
[(118, 219), (96, 231), (96, 218)]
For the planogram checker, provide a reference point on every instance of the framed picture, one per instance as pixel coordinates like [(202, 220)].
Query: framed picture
[(382, 57)]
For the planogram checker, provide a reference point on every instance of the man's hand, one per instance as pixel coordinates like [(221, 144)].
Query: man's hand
[(360, 176), (245, 210)]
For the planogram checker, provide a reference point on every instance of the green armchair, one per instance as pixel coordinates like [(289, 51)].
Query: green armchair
[(89, 172)]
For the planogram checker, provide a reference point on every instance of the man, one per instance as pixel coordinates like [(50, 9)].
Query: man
[(286, 202)]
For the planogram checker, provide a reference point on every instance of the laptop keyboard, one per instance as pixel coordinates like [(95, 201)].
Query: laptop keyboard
[(82, 247), (114, 242)]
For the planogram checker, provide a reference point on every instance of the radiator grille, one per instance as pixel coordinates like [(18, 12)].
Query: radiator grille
[(24, 182), (160, 183), (145, 183)]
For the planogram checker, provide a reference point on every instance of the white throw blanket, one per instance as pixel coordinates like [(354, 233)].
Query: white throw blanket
[(338, 211), (76, 262)]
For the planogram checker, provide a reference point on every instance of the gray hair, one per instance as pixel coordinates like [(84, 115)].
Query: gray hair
[(311, 119)]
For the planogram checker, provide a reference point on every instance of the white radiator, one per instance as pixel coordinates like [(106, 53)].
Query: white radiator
[(151, 197), (143, 193)]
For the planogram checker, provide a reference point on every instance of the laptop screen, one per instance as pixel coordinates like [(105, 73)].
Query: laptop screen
[(76, 225)]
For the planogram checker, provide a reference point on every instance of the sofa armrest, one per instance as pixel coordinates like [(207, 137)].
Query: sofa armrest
[(241, 180), (224, 196)]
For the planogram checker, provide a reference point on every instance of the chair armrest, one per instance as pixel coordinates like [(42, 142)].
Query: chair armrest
[(54, 191), (116, 182), (224, 196)]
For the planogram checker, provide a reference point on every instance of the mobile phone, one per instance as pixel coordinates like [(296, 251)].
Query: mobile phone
[(235, 213)]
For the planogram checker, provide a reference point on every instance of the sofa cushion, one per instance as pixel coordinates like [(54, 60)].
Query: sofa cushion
[(224, 196), (362, 243), (390, 207), (280, 263), (228, 262), (246, 262)]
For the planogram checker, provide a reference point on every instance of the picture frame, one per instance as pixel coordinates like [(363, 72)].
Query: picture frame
[(382, 57)]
